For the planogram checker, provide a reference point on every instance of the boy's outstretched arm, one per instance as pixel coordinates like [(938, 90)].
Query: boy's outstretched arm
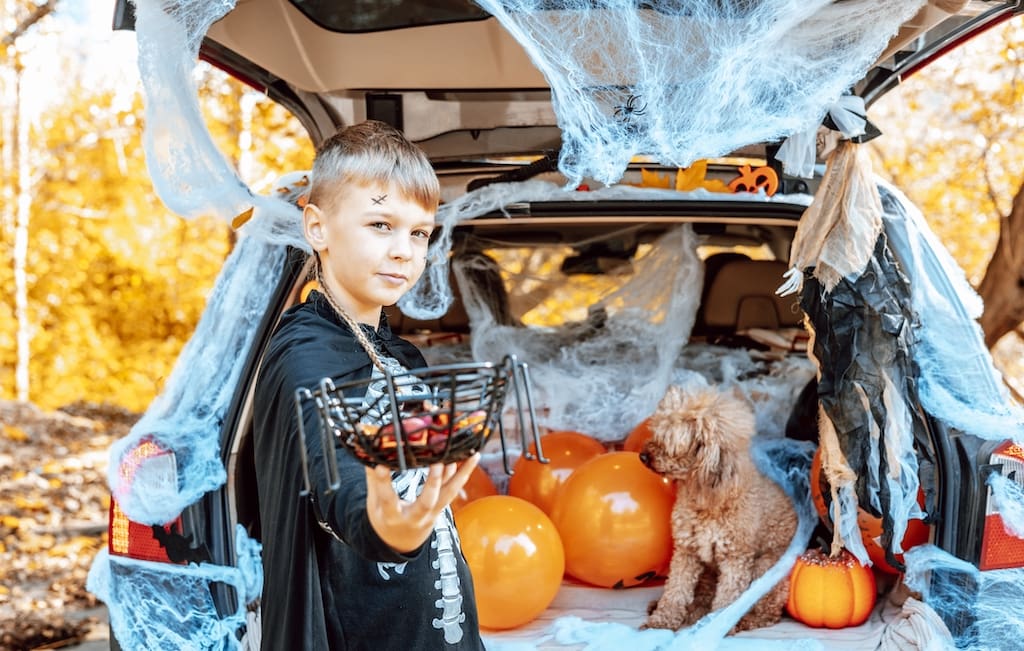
[(406, 525)]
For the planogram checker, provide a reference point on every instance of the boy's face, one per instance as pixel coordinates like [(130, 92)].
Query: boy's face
[(373, 246)]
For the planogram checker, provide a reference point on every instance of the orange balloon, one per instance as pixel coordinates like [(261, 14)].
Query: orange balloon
[(917, 532), (515, 555), (614, 516), (478, 485), (636, 439), (537, 482)]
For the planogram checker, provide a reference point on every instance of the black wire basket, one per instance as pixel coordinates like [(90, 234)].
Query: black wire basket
[(435, 414)]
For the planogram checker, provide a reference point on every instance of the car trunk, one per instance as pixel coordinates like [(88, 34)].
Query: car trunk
[(495, 101)]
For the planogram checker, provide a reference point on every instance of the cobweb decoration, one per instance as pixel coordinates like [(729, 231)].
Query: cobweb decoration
[(431, 296), (988, 606), (958, 382), (607, 373), (189, 173), (168, 606), (681, 80), (161, 605)]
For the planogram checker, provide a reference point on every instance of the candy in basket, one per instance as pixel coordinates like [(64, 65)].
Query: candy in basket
[(435, 414)]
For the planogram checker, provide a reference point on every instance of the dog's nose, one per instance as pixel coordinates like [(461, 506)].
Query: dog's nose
[(645, 459)]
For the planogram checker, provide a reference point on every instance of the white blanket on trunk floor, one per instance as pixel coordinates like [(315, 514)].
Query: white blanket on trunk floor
[(587, 618)]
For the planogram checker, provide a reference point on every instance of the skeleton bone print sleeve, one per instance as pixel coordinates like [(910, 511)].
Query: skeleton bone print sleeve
[(444, 544)]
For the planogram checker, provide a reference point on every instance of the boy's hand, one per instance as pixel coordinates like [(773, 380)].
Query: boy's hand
[(403, 525)]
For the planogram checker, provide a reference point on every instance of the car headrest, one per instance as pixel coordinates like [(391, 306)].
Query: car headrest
[(742, 295)]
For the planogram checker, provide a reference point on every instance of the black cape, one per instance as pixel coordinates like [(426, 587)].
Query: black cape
[(319, 593)]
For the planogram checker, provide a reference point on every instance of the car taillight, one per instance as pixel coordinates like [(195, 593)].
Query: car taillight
[(999, 548), (134, 539)]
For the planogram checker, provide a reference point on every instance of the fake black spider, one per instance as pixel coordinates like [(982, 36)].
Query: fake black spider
[(632, 108)]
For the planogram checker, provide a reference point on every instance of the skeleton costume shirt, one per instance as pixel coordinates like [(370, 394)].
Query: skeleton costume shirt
[(320, 592)]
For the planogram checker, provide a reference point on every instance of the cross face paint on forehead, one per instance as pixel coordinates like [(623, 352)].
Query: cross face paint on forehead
[(379, 200)]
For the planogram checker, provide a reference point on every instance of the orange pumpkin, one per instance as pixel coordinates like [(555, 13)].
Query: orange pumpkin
[(830, 592), (870, 526)]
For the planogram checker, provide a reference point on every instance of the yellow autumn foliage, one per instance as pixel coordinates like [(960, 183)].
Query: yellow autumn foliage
[(953, 136), (116, 283)]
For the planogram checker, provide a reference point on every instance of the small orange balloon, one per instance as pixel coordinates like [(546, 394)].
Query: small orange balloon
[(478, 485), (917, 532), (614, 517), (636, 439), (538, 483), (515, 556)]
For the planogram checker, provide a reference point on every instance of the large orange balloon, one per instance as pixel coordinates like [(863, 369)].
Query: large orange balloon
[(515, 555), (538, 482), (478, 485), (614, 516), (917, 532), (636, 439)]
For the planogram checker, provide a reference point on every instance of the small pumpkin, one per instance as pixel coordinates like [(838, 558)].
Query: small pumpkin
[(830, 592)]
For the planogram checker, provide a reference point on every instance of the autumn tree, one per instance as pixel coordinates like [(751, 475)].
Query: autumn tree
[(115, 282), (21, 17), (954, 137)]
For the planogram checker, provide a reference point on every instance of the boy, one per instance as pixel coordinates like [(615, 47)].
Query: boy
[(361, 567)]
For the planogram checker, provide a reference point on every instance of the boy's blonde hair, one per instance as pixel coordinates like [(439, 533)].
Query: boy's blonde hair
[(373, 152)]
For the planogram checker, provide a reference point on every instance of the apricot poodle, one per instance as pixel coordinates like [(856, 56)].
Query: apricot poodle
[(730, 523)]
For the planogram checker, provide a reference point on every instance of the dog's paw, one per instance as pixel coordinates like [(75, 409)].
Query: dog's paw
[(664, 617), (751, 621)]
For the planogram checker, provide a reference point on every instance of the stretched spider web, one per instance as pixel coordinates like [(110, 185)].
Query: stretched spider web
[(682, 80)]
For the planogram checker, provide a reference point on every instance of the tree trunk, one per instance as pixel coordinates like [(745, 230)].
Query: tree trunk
[(18, 153), (24, 334), (1002, 289)]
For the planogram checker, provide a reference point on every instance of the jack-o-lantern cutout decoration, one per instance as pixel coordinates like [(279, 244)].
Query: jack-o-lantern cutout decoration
[(830, 592), (754, 180)]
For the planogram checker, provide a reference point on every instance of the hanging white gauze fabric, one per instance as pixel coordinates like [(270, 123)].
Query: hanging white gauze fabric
[(838, 232), (603, 375), (684, 80), (799, 153), (189, 173)]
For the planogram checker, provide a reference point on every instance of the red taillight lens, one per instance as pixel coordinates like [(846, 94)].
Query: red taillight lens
[(134, 539), (999, 548)]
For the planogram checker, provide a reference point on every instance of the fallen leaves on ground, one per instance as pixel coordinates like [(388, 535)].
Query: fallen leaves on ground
[(53, 517)]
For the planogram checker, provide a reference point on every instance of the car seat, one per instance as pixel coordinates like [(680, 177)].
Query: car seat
[(741, 295)]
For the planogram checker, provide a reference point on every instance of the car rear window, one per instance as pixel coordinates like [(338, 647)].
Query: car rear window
[(377, 15)]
